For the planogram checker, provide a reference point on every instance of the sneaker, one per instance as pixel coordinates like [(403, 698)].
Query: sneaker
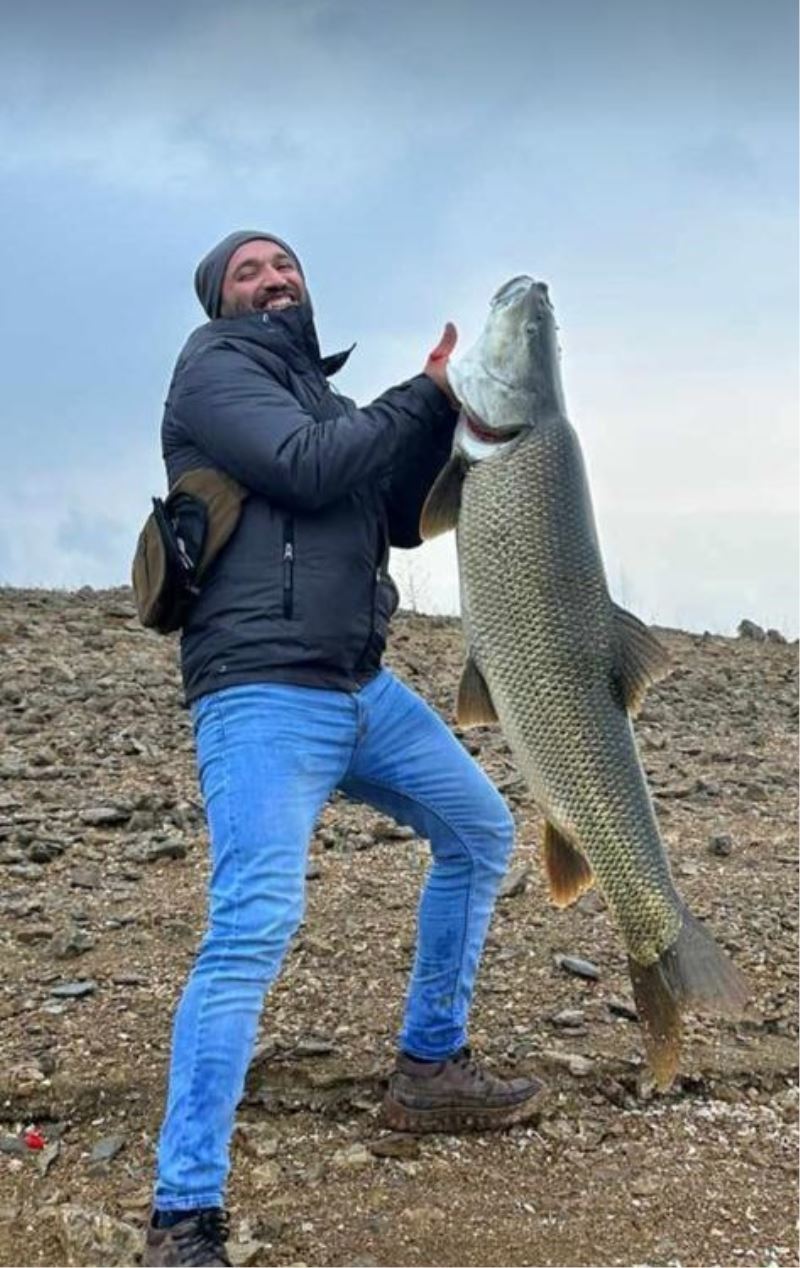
[(198, 1240), (456, 1095)]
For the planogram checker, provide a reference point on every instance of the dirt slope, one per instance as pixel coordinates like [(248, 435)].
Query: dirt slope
[(102, 875)]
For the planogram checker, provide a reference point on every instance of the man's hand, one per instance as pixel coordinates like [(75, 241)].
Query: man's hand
[(436, 365)]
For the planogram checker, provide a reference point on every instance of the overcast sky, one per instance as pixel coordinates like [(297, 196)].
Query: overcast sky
[(638, 155)]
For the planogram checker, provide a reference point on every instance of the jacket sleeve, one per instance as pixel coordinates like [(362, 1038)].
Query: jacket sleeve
[(411, 480), (253, 428)]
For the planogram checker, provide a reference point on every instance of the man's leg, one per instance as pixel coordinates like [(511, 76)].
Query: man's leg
[(268, 756), (410, 765)]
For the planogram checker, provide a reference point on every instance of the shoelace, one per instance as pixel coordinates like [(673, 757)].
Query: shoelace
[(464, 1058), (206, 1239)]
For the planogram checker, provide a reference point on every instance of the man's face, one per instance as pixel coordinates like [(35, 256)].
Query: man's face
[(260, 277)]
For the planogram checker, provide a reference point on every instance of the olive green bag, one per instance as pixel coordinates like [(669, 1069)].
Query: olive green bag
[(181, 538)]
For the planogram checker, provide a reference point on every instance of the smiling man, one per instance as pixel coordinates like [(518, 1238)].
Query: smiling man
[(281, 660)]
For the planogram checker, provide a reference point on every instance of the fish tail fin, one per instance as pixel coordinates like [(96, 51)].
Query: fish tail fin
[(568, 873), (693, 974)]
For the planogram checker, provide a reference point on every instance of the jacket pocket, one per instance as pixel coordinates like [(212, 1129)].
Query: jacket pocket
[(288, 567)]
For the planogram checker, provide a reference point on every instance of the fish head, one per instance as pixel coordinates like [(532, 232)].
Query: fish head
[(510, 379)]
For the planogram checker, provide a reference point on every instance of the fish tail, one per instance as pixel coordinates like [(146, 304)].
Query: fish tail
[(693, 974)]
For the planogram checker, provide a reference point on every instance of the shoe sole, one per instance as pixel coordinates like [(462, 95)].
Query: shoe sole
[(453, 1119)]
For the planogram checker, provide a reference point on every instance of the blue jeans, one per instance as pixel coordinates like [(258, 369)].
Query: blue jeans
[(269, 756)]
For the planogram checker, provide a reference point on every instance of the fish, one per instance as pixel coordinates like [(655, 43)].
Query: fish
[(561, 666)]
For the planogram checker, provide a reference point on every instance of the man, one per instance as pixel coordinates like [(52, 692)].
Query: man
[(281, 661)]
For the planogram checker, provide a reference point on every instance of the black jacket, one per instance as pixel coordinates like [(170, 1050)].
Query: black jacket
[(300, 594)]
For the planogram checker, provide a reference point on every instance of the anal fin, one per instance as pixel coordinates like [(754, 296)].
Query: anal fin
[(474, 705), (568, 873)]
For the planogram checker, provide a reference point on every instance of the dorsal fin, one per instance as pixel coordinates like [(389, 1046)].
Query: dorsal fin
[(640, 659)]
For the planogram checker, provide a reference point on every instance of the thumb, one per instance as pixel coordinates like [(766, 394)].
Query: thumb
[(446, 344)]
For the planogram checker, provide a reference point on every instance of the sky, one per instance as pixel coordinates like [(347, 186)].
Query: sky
[(638, 155)]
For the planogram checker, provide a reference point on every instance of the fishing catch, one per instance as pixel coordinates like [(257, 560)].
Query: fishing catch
[(560, 665)]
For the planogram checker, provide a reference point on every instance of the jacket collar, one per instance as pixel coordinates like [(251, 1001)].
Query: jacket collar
[(289, 333)]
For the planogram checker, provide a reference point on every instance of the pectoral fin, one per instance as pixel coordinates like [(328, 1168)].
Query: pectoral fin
[(443, 503), (474, 706), (568, 873), (640, 659)]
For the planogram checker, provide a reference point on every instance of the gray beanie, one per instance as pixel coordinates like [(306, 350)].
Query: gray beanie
[(210, 271)]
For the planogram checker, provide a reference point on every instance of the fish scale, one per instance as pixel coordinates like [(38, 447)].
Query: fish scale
[(538, 619)]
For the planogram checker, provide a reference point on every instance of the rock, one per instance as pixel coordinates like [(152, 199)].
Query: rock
[(622, 1008), (775, 636), (73, 990), (256, 1139), (749, 629), (313, 870), (720, 844), (580, 968), (169, 849), (250, 1252), (107, 1148), (352, 1157), (515, 882), (88, 1237), (13, 1145), (47, 1157), (24, 1078), (396, 1145), (267, 1173), (85, 878), (105, 816), (34, 933), (569, 1018), (314, 1046), (576, 1064), (71, 942)]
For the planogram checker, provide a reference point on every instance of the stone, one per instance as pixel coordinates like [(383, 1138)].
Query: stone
[(169, 849), (107, 1148), (622, 1008), (720, 844), (580, 968), (395, 1145), (515, 881), (577, 1065), (85, 878), (90, 1237), (749, 629), (569, 1018), (352, 1157), (34, 933), (775, 636), (71, 942), (73, 990), (105, 816)]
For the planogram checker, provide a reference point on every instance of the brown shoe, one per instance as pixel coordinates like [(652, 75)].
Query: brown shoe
[(197, 1240), (456, 1095)]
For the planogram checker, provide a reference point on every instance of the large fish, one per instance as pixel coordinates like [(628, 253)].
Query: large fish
[(559, 664)]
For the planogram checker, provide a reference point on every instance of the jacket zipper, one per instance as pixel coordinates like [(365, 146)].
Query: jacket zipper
[(288, 567)]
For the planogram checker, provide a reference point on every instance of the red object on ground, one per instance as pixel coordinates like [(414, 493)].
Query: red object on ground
[(34, 1139)]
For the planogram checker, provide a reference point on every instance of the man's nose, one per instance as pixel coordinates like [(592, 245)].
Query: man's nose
[(273, 277)]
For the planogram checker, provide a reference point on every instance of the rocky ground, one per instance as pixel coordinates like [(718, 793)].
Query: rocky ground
[(102, 895)]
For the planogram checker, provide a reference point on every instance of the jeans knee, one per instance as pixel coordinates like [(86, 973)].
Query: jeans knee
[(254, 937), (498, 839)]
